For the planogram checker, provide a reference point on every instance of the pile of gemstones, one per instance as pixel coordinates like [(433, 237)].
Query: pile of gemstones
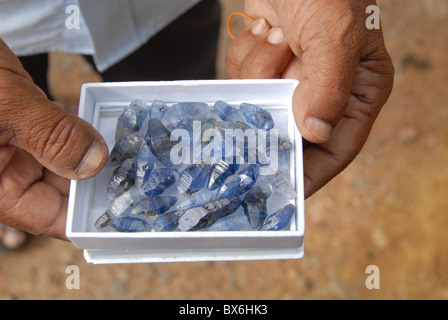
[(147, 192)]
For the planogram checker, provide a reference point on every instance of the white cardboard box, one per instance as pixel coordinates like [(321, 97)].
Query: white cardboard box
[(102, 103)]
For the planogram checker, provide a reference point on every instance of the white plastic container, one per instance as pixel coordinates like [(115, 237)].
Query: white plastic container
[(102, 103)]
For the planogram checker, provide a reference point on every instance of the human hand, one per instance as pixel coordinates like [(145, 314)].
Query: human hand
[(41, 148), (345, 73)]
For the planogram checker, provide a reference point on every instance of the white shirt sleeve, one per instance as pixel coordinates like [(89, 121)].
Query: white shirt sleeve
[(108, 29)]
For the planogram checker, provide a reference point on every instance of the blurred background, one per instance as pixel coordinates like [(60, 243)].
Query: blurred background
[(388, 208)]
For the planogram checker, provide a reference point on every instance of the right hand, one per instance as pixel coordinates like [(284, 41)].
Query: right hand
[(42, 147)]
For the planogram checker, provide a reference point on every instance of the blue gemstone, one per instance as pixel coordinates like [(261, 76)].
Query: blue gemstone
[(254, 205), (120, 206), (158, 138), (144, 164), (233, 222), (168, 221), (154, 206), (280, 219), (226, 112), (196, 200), (158, 109), (219, 172), (240, 183), (182, 115), (126, 148), (131, 120), (159, 180), (256, 116), (123, 178), (130, 224), (193, 178), (201, 217)]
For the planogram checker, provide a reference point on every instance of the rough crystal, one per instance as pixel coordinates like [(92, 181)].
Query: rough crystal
[(154, 206), (130, 224), (201, 217), (158, 138), (131, 120), (158, 109), (280, 219), (280, 184), (120, 206), (219, 172), (238, 184), (168, 221), (193, 178), (254, 205), (256, 116), (159, 180), (123, 178), (233, 222), (144, 164), (126, 148), (226, 112), (182, 115)]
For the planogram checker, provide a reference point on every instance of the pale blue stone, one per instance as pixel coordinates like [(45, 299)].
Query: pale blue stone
[(144, 164), (121, 206), (158, 138), (159, 180), (193, 178), (254, 205), (182, 115), (226, 112), (256, 116), (131, 120), (240, 183), (201, 217), (126, 148), (196, 200), (280, 219), (158, 109), (280, 184), (219, 172), (168, 221), (154, 206), (130, 224), (123, 178), (233, 222)]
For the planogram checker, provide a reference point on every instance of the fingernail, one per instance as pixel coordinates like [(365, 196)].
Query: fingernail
[(276, 36), (320, 129), (93, 159), (258, 26)]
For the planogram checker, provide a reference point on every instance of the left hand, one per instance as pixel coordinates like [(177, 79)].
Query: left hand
[(345, 73)]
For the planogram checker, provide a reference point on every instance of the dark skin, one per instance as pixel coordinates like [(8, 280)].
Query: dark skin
[(345, 73)]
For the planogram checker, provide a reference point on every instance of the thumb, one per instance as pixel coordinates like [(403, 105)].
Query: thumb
[(330, 55), (60, 141)]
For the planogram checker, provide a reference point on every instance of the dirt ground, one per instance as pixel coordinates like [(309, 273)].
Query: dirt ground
[(388, 209)]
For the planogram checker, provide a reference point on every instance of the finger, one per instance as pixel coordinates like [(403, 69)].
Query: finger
[(41, 210), (243, 45), (60, 141), (61, 184), (322, 162), (26, 203), (269, 58), (329, 45)]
